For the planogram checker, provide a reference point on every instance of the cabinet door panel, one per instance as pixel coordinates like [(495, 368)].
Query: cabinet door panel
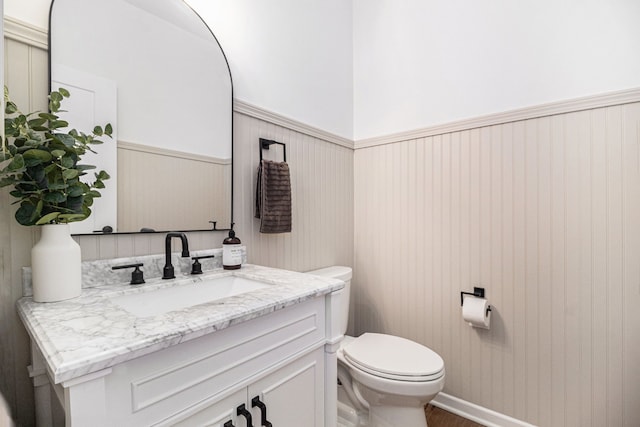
[(210, 415), (294, 394)]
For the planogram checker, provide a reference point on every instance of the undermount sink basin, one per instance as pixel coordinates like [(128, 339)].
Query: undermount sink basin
[(183, 296)]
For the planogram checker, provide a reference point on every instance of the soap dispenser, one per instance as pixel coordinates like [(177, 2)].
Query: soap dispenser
[(231, 251)]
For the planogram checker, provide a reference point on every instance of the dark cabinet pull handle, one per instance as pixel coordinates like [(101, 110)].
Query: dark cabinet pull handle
[(263, 409), (228, 424), (242, 410)]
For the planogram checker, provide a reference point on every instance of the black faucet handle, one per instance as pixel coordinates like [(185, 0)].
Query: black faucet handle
[(137, 275), (196, 268)]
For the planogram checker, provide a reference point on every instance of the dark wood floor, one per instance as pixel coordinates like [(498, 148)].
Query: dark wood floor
[(437, 417)]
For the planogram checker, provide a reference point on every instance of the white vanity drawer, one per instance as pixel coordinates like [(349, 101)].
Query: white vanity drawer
[(148, 389)]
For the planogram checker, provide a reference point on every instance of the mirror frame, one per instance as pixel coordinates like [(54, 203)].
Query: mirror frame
[(224, 55)]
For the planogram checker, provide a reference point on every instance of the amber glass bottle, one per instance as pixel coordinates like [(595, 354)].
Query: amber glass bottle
[(231, 252)]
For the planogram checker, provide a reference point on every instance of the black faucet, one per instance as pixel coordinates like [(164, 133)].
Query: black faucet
[(167, 272)]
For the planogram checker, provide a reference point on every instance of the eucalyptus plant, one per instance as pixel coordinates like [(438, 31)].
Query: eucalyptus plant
[(42, 162)]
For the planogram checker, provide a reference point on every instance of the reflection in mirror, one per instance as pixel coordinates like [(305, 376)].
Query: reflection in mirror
[(154, 70)]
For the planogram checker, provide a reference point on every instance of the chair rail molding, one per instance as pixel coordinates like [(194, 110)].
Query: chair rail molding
[(254, 111), (26, 33), (608, 99)]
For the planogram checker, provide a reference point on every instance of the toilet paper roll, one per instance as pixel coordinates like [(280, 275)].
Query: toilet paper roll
[(474, 312)]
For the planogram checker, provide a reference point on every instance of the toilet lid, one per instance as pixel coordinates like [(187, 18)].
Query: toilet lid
[(394, 357)]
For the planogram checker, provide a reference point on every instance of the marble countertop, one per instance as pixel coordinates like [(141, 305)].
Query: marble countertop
[(89, 333)]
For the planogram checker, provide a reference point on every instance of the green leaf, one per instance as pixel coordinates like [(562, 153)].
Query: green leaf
[(75, 203), (57, 124), (56, 96), (41, 155), (98, 184), (10, 108), (57, 186), (21, 119), (48, 218), (50, 168), (94, 193), (48, 116), (69, 174), (57, 153), (54, 106), (73, 217), (36, 122), (85, 167), (24, 214), (54, 197), (64, 92), (67, 162), (32, 162), (98, 130), (108, 129), (38, 211), (68, 140), (17, 164), (28, 213), (103, 175), (88, 201), (75, 190)]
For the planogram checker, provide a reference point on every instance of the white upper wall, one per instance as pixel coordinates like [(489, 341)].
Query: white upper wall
[(425, 62), (290, 57), (35, 12)]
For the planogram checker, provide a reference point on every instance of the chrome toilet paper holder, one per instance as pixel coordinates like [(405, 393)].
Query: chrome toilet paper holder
[(477, 292)]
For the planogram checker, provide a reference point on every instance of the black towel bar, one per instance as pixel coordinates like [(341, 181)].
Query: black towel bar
[(265, 143)]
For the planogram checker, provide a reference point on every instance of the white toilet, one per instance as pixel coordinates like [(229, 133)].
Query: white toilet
[(384, 380)]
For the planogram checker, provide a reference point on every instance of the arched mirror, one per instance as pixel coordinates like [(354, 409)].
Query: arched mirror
[(155, 71)]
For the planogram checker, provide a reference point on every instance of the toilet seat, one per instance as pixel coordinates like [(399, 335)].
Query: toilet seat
[(394, 358)]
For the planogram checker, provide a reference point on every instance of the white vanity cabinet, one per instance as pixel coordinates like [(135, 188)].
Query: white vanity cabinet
[(293, 395), (282, 358), (291, 398)]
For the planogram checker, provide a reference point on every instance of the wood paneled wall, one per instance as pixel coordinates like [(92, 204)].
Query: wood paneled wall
[(322, 196), (545, 215)]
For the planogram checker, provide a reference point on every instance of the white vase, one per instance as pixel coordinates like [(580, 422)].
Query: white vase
[(56, 273)]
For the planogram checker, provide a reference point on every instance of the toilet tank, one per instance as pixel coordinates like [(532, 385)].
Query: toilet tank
[(344, 274)]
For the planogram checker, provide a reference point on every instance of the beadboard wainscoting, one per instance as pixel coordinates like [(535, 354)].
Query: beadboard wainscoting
[(322, 197), (544, 214), (26, 76)]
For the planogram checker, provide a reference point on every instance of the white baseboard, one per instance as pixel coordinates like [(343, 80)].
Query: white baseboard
[(476, 413)]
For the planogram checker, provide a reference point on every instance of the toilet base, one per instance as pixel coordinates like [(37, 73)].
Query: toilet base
[(391, 416), (378, 416), (347, 416)]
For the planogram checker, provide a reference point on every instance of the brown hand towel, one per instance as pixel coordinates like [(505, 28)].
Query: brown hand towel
[(273, 197)]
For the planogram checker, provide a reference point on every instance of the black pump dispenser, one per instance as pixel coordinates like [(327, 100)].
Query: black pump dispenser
[(231, 252)]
